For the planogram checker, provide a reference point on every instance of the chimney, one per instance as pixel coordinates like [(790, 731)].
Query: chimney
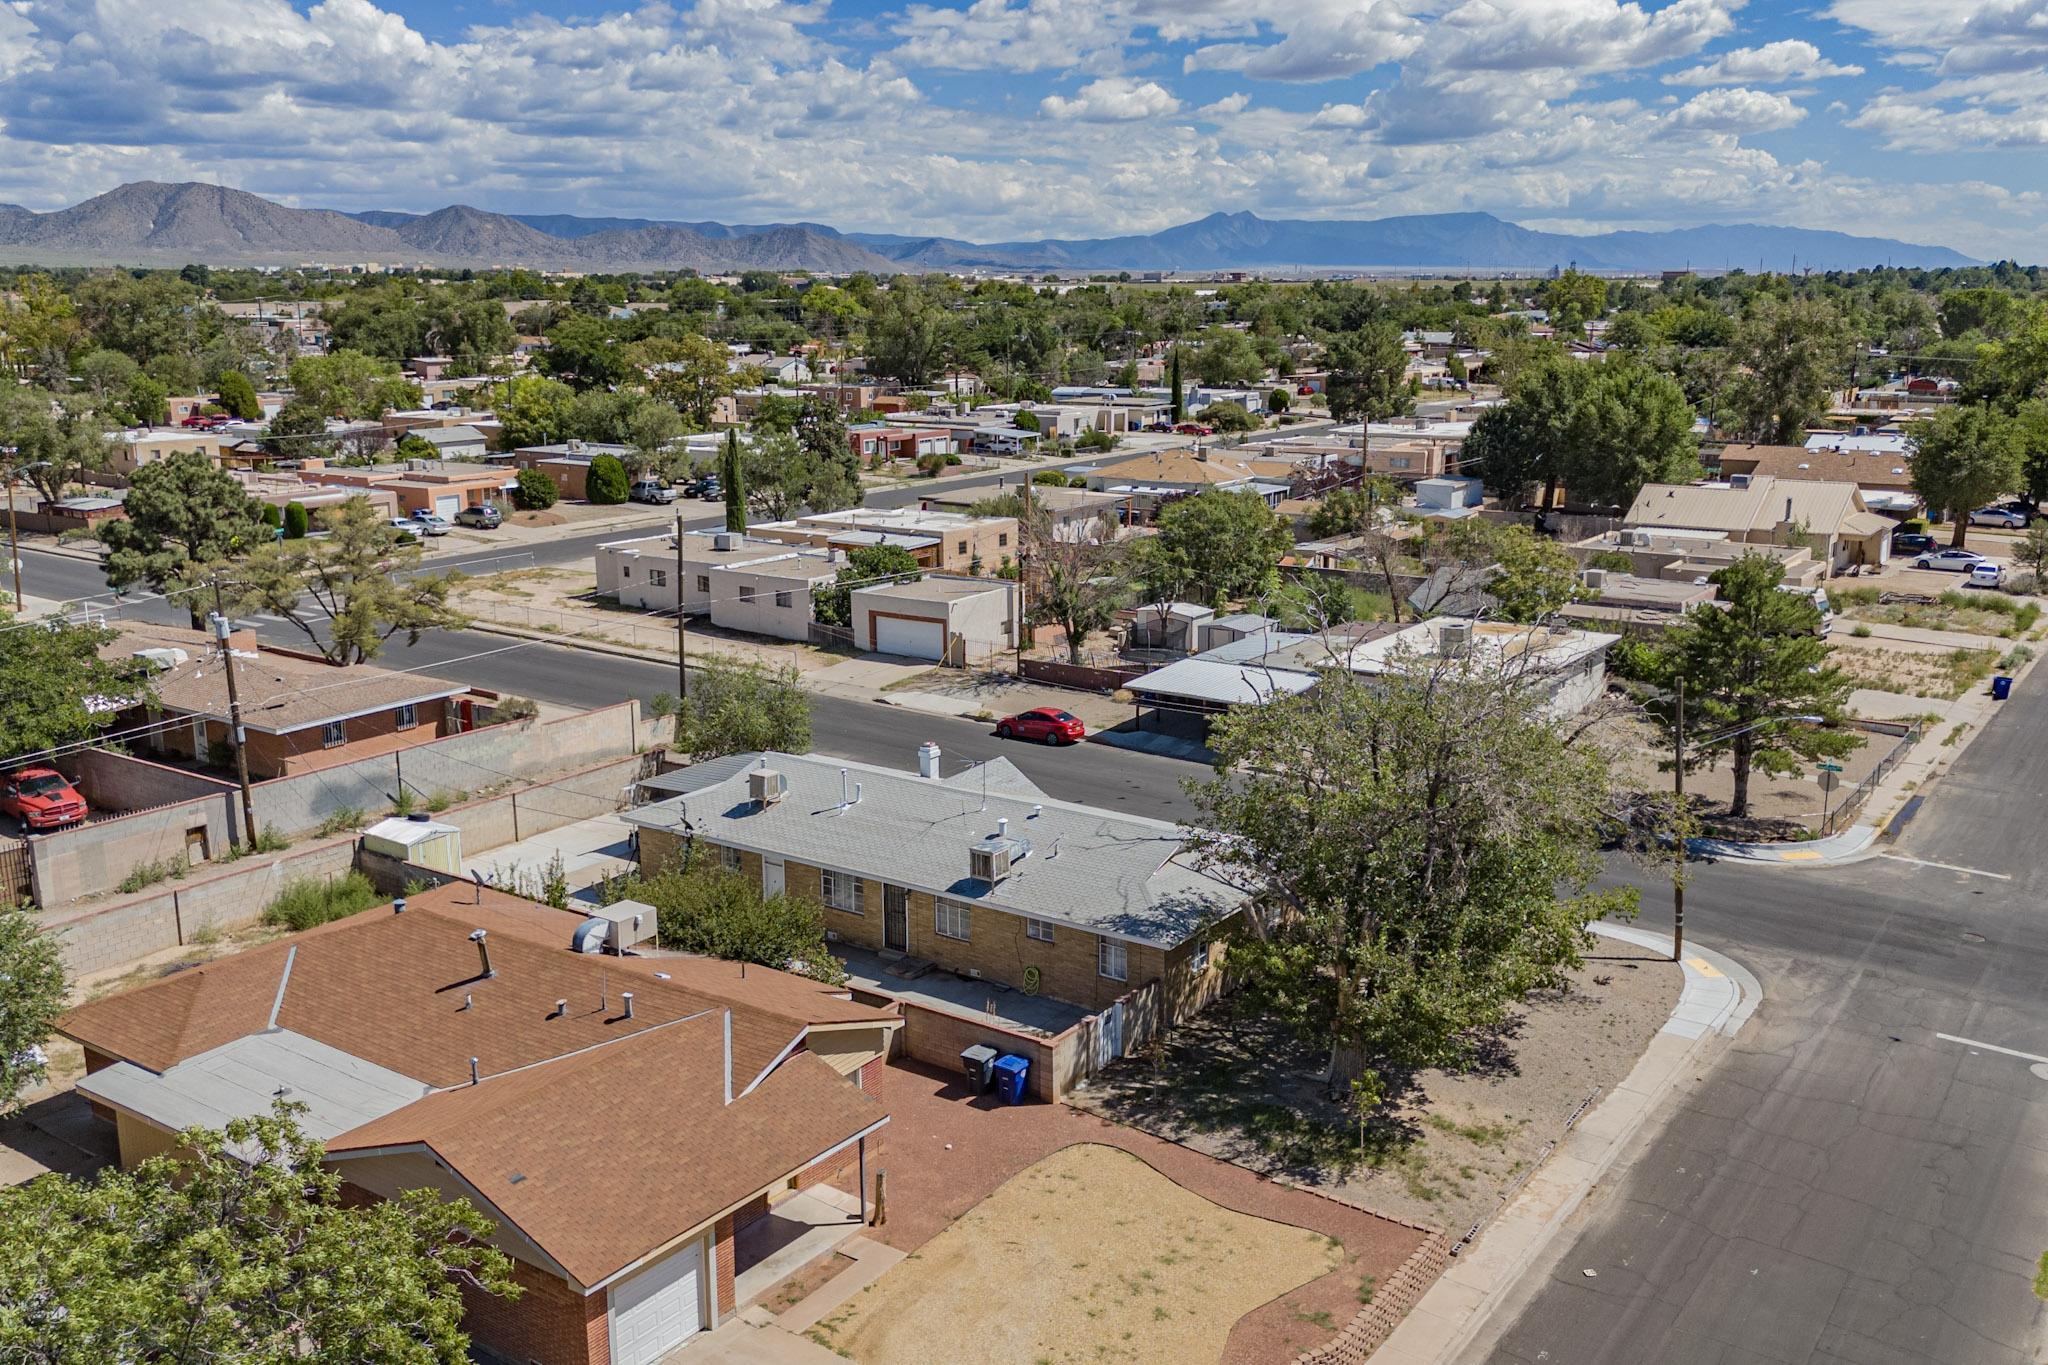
[(626, 1000), (728, 1055), (483, 952), (928, 760)]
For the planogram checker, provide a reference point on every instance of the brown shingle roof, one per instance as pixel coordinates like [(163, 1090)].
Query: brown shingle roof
[(280, 692), (624, 1148), (390, 989), (1863, 468)]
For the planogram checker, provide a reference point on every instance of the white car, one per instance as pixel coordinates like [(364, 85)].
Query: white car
[(427, 524), (1951, 559), (2009, 518), (1985, 574)]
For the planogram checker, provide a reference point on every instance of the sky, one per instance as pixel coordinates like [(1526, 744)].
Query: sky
[(1925, 120)]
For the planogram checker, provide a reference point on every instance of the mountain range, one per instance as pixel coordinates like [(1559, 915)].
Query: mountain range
[(152, 223)]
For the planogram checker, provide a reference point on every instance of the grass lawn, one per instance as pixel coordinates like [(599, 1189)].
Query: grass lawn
[(1087, 1255)]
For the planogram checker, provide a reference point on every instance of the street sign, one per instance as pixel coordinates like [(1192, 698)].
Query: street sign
[(1828, 767), (1828, 780)]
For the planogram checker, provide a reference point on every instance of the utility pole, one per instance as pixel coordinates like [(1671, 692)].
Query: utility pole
[(682, 621), (1678, 815), (1023, 573), (221, 630), (13, 541)]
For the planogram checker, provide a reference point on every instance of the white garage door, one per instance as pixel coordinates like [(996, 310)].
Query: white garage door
[(912, 639), (656, 1310), (448, 506)]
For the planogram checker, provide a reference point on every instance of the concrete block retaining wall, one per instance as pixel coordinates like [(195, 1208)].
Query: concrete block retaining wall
[(1391, 1301)]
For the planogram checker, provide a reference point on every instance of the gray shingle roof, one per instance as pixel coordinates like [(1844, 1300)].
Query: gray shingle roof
[(1097, 870)]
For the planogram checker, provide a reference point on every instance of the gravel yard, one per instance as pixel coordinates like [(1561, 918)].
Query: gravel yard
[(1087, 1255), (1451, 1145)]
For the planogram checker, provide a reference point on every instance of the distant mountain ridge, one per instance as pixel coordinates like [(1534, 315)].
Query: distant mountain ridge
[(148, 222)]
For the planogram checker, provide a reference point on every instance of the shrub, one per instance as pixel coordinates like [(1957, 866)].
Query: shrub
[(348, 817), (403, 803), (268, 840), (296, 521), (1052, 477), (513, 708), (1279, 400), (1096, 439), (533, 491), (272, 516), (722, 914), (1613, 561), (149, 874), (309, 902), (607, 484)]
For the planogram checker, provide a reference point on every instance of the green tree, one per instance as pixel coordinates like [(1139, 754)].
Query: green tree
[(534, 411), (1227, 417), (1963, 457), (1754, 658), (706, 909), (183, 515), (737, 708), (297, 521), (732, 480), (907, 334), (350, 590), (1574, 299), (32, 996), (238, 396), (1229, 358), (1630, 426), (50, 675), (868, 565), (348, 385), (240, 1247), (2030, 429), (1079, 590), (1212, 547), (1354, 510), (1527, 440), (1533, 579), (534, 491), (689, 372), (1279, 400), (606, 484), (1787, 355), (1176, 396), (1419, 852), (57, 440), (1368, 379)]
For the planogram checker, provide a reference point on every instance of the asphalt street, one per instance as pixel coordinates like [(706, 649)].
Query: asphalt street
[(1862, 1177)]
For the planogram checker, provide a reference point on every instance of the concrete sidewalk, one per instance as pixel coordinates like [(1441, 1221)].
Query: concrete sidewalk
[(1718, 997)]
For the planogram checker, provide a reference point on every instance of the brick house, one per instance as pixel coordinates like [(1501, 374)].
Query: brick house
[(618, 1118), (299, 712), (1080, 904), (946, 541)]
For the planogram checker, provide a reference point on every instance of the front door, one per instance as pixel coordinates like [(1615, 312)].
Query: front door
[(896, 918), (771, 878)]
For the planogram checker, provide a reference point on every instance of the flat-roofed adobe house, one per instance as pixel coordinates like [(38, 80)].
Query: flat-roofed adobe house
[(619, 1118)]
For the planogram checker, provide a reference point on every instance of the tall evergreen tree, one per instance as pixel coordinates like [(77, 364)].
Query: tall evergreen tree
[(733, 475)]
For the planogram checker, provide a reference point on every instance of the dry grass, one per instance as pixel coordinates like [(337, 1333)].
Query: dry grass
[(1941, 674), (1087, 1255)]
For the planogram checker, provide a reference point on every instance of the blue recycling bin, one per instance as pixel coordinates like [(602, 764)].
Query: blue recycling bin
[(2001, 687), (1012, 1075)]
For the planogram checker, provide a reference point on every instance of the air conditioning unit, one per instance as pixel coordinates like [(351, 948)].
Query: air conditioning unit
[(766, 786), (1642, 538), (1454, 639), (989, 861), (1595, 579), (1742, 480), (831, 936), (725, 541)]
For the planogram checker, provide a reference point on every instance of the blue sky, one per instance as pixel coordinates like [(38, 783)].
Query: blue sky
[(1920, 119)]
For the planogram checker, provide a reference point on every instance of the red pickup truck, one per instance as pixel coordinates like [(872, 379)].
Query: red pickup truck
[(41, 799)]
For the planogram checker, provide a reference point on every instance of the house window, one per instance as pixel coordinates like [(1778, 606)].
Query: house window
[(746, 594), (1111, 960), (1198, 961), (335, 732), (625, 570), (1038, 929), (950, 920), (408, 716), (703, 582), (657, 578), (1399, 462), (963, 547), (784, 600), (1002, 540), (728, 858), (842, 892)]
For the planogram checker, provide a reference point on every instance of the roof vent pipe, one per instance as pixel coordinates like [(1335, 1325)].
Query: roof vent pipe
[(561, 1008), (483, 952), (728, 1056), (844, 802), (626, 999), (856, 793), (398, 906), (472, 1071), (1003, 827)]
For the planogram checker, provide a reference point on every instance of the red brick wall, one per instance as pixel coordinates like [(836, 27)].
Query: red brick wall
[(749, 1211), (822, 1172), (726, 1296), (870, 1075), (549, 1322)]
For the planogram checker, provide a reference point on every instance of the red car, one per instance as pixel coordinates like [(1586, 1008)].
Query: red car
[(41, 799), (1195, 429), (1046, 724)]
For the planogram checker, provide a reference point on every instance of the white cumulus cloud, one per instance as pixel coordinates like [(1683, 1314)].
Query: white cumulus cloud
[(1793, 59), (1738, 110), (1114, 99)]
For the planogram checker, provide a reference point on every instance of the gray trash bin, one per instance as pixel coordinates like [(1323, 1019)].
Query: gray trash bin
[(980, 1063)]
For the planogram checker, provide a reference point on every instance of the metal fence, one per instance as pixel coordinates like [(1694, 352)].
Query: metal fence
[(16, 881), (651, 631), (1853, 803)]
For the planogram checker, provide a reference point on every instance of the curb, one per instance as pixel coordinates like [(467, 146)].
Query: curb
[(1848, 846), (1718, 997)]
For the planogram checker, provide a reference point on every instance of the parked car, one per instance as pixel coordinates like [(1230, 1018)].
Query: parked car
[(1985, 574), (652, 490), (2006, 517), (41, 798), (712, 490), (1195, 429), (484, 518), (407, 528), (1953, 560), (1046, 724), (1913, 543), (427, 524)]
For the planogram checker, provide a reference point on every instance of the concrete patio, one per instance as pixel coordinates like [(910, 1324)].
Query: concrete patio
[(941, 990), (789, 1237), (591, 850)]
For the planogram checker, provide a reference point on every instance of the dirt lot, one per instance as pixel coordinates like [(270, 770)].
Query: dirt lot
[(1913, 669), (1088, 1255), (1450, 1145), (1779, 806)]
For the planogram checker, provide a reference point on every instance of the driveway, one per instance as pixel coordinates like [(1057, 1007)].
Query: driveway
[(946, 1151)]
